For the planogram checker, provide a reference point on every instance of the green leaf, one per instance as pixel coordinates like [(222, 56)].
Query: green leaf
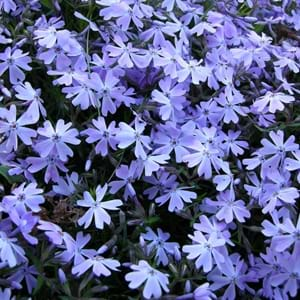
[(47, 3), (40, 283), (152, 220), (10, 179)]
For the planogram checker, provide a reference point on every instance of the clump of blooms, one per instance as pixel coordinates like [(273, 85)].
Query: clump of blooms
[(149, 149)]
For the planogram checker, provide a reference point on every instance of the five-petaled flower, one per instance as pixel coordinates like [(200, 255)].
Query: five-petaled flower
[(97, 208)]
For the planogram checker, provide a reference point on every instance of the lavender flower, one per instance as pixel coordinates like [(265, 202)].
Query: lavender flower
[(56, 139), (25, 197), (7, 6), (274, 101), (158, 242), (231, 273), (100, 265), (13, 128), (32, 98), (155, 281), (97, 208), (229, 208), (10, 253), (28, 273), (105, 136), (205, 250), (127, 176), (177, 196), (75, 249), (127, 136), (15, 61)]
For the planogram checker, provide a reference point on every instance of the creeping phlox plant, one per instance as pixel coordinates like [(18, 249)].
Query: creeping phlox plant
[(149, 149)]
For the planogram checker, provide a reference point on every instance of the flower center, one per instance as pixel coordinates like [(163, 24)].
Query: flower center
[(21, 197), (56, 138)]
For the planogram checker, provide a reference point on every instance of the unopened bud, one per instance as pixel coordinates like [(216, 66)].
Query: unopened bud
[(142, 241), (6, 92), (177, 254), (237, 181), (88, 165), (62, 276), (187, 287), (102, 249), (250, 19)]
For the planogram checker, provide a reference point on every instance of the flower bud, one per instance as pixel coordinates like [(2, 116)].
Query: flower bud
[(187, 287), (62, 276), (88, 165)]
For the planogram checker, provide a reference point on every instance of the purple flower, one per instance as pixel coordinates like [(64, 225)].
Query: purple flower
[(66, 187), (223, 181), (288, 234), (193, 68), (83, 94), (75, 249), (125, 53), (52, 163), (151, 163), (161, 182), (274, 101), (56, 139), (20, 167), (6, 293), (171, 98), (159, 244), (230, 101), (279, 147), (13, 128), (15, 61), (231, 144), (232, 273), (171, 56), (47, 37), (169, 5), (289, 275), (10, 253), (103, 135), (205, 250), (97, 208), (25, 197), (212, 225), (155, 281), (170, 138), (127, 136), (31, 97), (201, 27), (124, 14), (4, 35), (7, 6), (203, 292), (292, 164), (54, 233), (25, 223), (107, 90), (177, 197), (100, 265), (67, 74), (229, 208), (276, 197), (28, 273), (127, 176), (206, 156)]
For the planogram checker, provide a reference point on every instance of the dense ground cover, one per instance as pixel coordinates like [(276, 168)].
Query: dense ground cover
[(149, 149)]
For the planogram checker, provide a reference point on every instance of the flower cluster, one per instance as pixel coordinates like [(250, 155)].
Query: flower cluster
[(149, 149)]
